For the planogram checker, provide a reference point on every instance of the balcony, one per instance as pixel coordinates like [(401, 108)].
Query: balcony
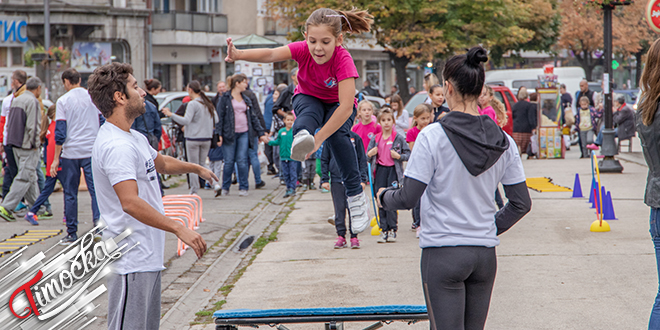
[(190, 21)]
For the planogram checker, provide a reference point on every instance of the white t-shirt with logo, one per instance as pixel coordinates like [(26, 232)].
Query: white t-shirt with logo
[(82, 123), (120, 156), (458, 208)]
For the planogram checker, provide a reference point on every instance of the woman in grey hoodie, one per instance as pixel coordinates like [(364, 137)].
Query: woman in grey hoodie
[(199, 122)]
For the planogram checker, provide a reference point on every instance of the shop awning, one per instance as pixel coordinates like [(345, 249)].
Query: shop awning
[(255, 41)]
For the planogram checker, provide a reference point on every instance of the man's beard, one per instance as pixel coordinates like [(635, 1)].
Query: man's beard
[(134, 110)]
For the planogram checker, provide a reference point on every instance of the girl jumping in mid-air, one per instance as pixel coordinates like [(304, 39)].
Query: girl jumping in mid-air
[(325, 93)]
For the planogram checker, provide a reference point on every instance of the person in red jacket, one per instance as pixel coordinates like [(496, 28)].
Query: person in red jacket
[(48, 139)]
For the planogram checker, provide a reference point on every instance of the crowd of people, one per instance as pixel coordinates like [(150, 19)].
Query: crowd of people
[(445, 165)]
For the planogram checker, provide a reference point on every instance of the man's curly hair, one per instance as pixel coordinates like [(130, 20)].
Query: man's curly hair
[(104, 82)]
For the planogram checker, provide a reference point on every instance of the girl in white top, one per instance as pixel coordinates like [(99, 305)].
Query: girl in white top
[(402, 119)]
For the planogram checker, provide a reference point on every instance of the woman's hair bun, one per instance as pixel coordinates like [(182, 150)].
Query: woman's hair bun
[(476, 55)]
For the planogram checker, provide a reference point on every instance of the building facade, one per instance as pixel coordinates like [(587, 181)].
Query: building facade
[(93, 32)]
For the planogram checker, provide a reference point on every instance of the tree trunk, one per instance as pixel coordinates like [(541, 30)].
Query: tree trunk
[(638, 68), (400, 64)]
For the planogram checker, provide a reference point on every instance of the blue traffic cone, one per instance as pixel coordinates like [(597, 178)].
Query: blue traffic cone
[(591, 193), (601, 200), (577, 188), (608, 208)]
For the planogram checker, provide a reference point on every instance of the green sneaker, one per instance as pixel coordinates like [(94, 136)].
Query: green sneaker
[(44, 214), (6, 214)]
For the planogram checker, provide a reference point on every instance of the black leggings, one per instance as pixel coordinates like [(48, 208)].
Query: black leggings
[(458, 282), (339, 200)]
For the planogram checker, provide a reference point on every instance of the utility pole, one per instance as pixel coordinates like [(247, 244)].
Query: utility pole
[(47, 43)]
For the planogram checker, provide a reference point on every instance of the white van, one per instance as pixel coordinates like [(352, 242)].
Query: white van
[(514, 79)]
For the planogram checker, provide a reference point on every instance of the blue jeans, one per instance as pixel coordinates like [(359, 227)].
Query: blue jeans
[(599, 138), (312, 114), (41, 179), (289, 172), (654, 322), (71, 181), (46, 191), (253, 153), (236, 153)]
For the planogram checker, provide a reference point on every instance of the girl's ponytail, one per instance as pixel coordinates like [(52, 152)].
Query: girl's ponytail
[(354, 20), (358, 20)]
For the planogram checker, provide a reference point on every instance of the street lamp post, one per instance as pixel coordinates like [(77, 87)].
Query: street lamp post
[(47, 44), (609, 148)]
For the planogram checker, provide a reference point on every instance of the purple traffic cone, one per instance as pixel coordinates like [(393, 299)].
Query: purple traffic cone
[(577, 188), (608, 208), (591, 193)]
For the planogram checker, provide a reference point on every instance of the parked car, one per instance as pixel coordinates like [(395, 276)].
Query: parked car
[(629, 94), (378, 102), (172, 101), (414, 101), (507, 98)]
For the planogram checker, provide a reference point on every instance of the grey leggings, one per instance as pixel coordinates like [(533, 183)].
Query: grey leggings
[(197, 152), (458, 282)]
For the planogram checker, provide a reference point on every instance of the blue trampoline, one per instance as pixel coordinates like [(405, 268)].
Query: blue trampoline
[(333, 318)]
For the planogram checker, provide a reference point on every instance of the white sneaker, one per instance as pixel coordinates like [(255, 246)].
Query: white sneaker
[(303, 143), (359, 212), (242, 193)]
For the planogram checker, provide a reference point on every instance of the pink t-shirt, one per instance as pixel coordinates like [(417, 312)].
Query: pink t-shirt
[(322, 81), (240, 116), (488, 111), (412, 134), (367, 132), (384, 156)]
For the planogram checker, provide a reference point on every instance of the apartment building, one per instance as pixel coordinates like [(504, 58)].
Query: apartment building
[(94, 32)]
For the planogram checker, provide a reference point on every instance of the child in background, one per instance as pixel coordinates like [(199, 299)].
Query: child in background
[(401, 123), (437, 96), (484, 103), (500, 113), (216, 163), (366, 128), (331, 180), (421, 118), (586, 119), (288, 167), (47, 136), (387, 152)]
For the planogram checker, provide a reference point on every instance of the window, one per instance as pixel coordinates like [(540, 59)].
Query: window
[(192, 5), (529, 84), (162, 6), (374, 74), (3, 57), (162, 73), (16, 56)]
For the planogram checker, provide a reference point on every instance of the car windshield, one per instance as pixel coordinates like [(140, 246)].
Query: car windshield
[(416, 100)]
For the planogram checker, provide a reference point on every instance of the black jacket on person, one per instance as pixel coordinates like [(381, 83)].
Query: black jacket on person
[(226, 126), (330, 168), (524, 116), (589, 93), (284, 101), (150, 98), (255, 108), (371, 91)]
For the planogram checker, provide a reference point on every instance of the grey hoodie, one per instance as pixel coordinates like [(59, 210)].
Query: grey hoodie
[(399, 145)]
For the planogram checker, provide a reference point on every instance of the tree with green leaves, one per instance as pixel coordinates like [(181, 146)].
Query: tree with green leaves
[(421, 30)]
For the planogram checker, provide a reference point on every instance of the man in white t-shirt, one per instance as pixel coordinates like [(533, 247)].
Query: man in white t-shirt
[(18, 79), (77, 123), (125, 167)]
